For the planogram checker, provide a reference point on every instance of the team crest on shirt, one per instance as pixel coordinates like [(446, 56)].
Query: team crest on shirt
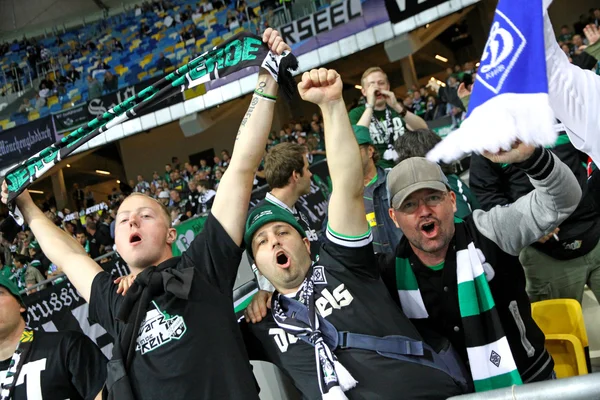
[(319, 275), (159, 328)]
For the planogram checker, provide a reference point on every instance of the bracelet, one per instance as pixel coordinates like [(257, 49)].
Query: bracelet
[(367, 105), (261, 97), (267, 96)]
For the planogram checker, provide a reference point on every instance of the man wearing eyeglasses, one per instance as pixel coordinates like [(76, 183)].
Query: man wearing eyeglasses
[(462, 279)]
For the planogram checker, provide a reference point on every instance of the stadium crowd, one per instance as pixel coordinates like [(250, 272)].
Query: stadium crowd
[(396, 224)]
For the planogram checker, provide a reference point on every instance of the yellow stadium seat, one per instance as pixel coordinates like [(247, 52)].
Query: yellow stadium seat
[(169, 49), (561, 320), (142, 75), (180, 45), (66, 105), (108, 59), (51, 101), (216, 41), (10, 125), (200, 42), (4, 122), (169, 69), (186, 59), (568, 355), (33, 115), (257, 10), (238, 30), (152, 70), (124, 70)]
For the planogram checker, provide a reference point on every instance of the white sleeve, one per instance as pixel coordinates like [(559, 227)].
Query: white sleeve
[(574, 96)]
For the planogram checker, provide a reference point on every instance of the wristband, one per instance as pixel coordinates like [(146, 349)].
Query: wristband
[(367, 105), (264, 95)]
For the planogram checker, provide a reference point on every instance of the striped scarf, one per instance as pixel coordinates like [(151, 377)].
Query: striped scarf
[(299, 318), (16, 363), (490, 358)]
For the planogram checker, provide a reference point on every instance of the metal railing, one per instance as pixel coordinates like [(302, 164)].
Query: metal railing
[(63, 275), (583, 387)]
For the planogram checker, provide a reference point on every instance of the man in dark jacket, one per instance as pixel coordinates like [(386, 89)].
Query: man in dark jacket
[(560, 264)]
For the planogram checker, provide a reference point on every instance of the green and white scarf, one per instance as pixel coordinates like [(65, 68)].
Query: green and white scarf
[(236, 54), (490, 358)]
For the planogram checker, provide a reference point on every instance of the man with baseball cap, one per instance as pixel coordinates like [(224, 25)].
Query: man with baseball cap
[(38, 364), (333, 328), (461, 278)]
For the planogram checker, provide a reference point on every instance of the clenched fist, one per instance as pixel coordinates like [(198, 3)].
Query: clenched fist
[(321, 86)]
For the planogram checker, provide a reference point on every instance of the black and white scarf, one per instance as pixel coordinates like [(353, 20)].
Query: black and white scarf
[(300, 319)]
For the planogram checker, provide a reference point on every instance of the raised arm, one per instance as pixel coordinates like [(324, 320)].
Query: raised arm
[(556, 196), (574, 96), (231, 202), (57, 245), (346, 208)]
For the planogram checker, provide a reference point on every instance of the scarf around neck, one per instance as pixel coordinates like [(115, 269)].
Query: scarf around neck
[(16, 363), (290, 315), (490, 358)]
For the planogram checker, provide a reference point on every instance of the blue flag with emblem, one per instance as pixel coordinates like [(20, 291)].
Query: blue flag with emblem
[(509, 101)]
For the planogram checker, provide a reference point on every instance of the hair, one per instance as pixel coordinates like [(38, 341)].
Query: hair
[(163, 208), (282, 161), (20, 258), (80, 231), (369, 71), (376, 157), (205, 184), (91, 225), (417, 144)]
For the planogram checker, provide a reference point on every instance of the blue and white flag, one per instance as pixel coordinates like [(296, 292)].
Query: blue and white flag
[(510, 100)]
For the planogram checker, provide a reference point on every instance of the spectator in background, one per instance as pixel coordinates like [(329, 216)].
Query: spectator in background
[(217, 180), (117, 45), (419, 107), (578, 45), (596, 17), (433, 109), (96, 240), (175, 162), (163, 62), (217, 164), (94, 88), (417, 144), (38, 259), (178, 183), (206, 196), (167, 175), (382, 114), (566, 36), (204, 167), (59, 79), (89, 198), (144, 30), (226, 158), (375, 197), (156, 181), (32, 275), (82, 238), (142, 186), (72, 74), (192, 197), (44, 91), (316, 148), (78, 197), (26, 107), (111, 82)]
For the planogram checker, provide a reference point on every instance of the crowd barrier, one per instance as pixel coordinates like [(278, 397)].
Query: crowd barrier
[(584, 387)]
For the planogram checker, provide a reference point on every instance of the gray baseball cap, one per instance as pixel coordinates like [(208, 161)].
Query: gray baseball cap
[(414, 174)]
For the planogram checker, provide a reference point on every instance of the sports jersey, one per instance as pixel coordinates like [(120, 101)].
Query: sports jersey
[(350, 294), (187, 349), (381, 134), (59, 365)]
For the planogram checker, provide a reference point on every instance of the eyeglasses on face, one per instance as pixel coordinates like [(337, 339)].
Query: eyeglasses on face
[(409, 206)]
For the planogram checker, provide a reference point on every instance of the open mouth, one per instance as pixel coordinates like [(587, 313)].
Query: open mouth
[(429, 229), (135, 238), (282, 259)]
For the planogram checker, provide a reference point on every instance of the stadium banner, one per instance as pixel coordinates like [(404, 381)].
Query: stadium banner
[(23, 141), (399, 10), (97, 107), (61, 308), (186, 232), (69, 120)]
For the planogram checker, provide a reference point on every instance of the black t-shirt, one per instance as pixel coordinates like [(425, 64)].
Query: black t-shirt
[(59, 365), (201, 354), (353, 298)]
